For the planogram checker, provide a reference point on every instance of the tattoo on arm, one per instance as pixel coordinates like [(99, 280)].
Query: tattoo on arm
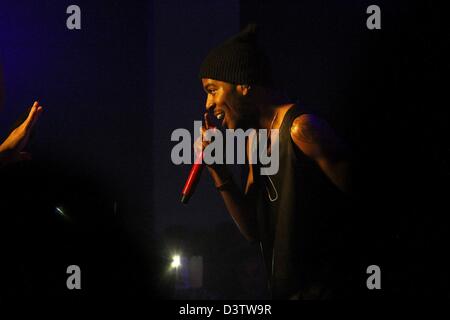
[(315, 137), (306, 133), (309, 130)]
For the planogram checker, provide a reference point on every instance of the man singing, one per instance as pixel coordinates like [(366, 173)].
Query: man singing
[(296, 214)]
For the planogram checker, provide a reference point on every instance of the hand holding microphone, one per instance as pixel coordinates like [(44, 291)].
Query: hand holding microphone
[(197, 168)]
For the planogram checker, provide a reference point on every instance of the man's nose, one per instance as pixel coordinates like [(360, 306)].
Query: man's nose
[(209, 104)]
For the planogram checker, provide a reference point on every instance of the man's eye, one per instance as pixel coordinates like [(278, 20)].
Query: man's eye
[(212, 91)]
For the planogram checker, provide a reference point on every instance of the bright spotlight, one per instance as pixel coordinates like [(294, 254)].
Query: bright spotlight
[(60, 211), (176, 261)]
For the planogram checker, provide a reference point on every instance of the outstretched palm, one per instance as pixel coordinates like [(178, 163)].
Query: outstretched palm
[(11, 149)]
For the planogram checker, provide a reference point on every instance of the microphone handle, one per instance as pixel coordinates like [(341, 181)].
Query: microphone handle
[(193, 179)]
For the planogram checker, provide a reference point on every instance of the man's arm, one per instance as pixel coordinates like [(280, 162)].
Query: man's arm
[(317, 140), (11, 150), (240, 204)]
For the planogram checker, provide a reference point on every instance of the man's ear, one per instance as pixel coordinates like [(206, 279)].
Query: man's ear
[(244, 89)]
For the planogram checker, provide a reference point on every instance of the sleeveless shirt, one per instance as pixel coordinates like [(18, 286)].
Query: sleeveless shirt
[(298, 212)]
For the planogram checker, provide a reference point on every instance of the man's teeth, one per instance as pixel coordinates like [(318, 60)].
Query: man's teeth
[(220, 116)]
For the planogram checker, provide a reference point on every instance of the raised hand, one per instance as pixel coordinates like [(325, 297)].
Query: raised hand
[(11, 150)]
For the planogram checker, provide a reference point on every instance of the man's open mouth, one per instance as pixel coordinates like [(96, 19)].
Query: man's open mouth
[(220, 115)]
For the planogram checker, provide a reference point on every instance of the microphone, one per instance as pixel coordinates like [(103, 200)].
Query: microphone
[(193, 179), (196, 170)]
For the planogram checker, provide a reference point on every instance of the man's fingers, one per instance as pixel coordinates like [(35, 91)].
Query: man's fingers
[(198, 145), (36, 115), (207, 123), (31, 115)]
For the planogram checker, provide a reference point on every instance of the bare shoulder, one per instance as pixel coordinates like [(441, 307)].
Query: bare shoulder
[(310, 128), (317, 140), (312, 134)]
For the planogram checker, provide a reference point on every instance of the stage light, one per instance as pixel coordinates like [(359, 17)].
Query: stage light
[(176, 261), (62, 213), (59, 210)]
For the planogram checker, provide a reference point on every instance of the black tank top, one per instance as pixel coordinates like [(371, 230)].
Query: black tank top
[(298, 210)]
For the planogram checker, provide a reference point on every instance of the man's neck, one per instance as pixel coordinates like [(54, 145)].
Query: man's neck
[(271, 116)]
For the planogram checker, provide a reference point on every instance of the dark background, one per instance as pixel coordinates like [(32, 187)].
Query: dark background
[(91, 149), (114, 91)]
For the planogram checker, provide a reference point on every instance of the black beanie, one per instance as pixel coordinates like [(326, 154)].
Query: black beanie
[(239, 60)]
